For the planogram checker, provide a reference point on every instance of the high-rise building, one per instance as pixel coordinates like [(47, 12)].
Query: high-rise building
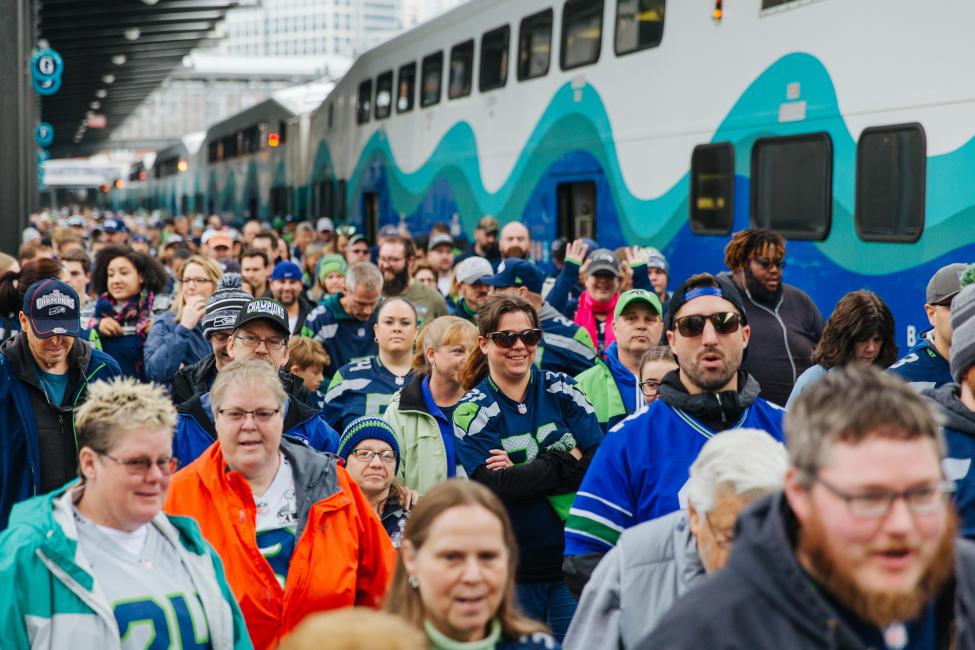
[(419, 11)]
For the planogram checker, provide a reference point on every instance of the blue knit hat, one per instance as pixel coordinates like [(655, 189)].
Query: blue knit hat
[(367, 427)]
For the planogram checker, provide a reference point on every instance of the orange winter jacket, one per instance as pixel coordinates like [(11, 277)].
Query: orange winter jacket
[(342, 556)]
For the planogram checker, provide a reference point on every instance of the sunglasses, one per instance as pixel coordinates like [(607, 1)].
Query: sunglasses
[(768, 264), (507, 338), (724, 322)]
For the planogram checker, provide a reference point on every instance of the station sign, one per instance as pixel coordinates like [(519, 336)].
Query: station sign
[(43, 134), (46, 67)]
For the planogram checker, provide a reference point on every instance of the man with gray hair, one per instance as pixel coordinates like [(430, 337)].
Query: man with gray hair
[(858, 551), (656, 562), (343, 322)]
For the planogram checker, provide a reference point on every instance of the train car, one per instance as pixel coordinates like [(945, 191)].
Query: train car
[(175, 184), (843, 125)]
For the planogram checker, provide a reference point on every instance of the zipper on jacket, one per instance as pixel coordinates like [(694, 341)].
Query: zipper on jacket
[(785, 331)]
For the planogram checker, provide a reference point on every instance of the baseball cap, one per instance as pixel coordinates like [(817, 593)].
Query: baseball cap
[(217, 238), (114, 225), (389, 230), (355, 239), (52, 309), (440, 239), (286, 270), (656, 260), (140, 238), (325, 225), (488, 224), (515, 272), (264, 309), (944, 284), (724, 290), (473, 269), (602, 260), (627, 298), (77, 221)]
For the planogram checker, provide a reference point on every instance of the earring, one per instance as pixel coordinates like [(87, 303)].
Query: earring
[(414, 582)]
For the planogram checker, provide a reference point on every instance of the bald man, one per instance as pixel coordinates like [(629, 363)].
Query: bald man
[(516, 241)]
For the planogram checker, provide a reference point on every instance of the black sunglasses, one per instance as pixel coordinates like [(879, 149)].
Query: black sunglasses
[(507, 338), (768, 264), (725, 322)]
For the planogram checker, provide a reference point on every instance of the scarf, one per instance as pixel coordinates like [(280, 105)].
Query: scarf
[(136, 311), (586, 316)]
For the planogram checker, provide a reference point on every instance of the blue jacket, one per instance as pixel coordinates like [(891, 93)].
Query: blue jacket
[(923, 367), (170, 346), (363, 387), (20, 463), (345, 337), (959, 430), (195, 430)]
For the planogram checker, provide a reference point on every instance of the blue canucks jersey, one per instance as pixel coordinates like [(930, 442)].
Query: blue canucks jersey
[(363, 387), (345, 337)]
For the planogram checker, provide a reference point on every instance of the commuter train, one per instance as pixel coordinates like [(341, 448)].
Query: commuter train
[(846, 126)]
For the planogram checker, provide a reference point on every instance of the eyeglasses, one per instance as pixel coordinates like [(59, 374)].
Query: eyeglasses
[(220, 337), (140, 466), (650, 387), (722, 538), (366, 455), (195, 281), (768, 264), (238, 415), (724, 322), (507, 338), (273, 343), (923, 500)]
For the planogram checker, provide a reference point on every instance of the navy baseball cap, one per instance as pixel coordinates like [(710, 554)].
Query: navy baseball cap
[(286, 270), (516, 272), (114, 225), (52, 309)]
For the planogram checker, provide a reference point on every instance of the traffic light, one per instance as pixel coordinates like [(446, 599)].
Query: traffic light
[(273, 140)]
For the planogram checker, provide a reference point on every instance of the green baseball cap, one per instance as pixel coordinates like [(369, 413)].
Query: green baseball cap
[(627, 298)]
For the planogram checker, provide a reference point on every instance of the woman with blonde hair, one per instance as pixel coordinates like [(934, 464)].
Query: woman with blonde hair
[(421, 414), (455, 574)]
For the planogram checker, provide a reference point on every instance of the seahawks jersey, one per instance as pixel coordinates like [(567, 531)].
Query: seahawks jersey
[(344, 337), (363, 387), (566, 346), (555, 416)]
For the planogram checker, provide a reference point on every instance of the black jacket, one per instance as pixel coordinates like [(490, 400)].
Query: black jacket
[(763, 599), (194, 380), (305, 307)]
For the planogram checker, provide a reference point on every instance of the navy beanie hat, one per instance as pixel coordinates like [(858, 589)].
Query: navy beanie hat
[(367, 427)]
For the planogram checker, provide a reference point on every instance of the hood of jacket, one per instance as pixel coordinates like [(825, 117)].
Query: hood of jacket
[(620, 373), (410, 397), (331, 303), (957, 415), (722, 409), (22, 363)]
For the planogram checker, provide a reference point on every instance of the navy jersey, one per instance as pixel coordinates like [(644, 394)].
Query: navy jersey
[(555, 416), (363, 387), (345, 337), (566, 346), (923, 368)]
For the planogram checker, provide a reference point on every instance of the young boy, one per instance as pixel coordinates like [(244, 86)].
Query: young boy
[(308, 359)]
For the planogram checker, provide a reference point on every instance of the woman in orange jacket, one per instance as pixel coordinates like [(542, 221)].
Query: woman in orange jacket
[(295, 533)]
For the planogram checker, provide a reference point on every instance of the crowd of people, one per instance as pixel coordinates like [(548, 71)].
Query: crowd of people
[(262, 435)]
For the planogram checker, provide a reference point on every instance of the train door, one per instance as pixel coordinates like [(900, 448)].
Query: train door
[(252, 207), (577, 210), (370, 214)]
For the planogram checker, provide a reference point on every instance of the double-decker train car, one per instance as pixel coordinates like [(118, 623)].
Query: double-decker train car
[(846, 126)]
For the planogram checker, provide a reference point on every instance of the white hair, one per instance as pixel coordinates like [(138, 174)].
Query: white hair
[(740, 461)]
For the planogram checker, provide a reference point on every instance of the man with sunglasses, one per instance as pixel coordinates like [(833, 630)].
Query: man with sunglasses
[(261, 331), (785, 322), (642, 466), (859, 551)]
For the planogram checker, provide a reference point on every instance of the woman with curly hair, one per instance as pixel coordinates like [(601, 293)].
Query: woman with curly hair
[(126, 283), (860, 330)]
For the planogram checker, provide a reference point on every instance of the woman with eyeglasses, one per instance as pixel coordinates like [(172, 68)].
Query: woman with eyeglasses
[(365, 386), (96, 563), (294, 532), (127, 284), (529, 435), (371, 456), (176, 337), (655, 364)]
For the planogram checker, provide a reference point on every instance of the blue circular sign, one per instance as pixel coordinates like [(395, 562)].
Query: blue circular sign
[(47, 87), (44, 134), (41, 155), (46, 64)]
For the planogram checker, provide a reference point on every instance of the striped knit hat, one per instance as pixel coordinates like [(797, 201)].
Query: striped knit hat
[(962, 332), (367, 427), (223, 306)]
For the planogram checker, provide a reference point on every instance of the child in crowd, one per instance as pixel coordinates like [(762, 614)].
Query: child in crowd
[(308, 359)]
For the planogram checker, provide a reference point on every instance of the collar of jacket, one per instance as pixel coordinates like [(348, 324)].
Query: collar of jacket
[(24, 367), (297, 413), (725, 406), (411, 396), (957, 415)]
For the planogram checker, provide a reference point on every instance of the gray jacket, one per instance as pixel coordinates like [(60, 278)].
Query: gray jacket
[(636, 583)]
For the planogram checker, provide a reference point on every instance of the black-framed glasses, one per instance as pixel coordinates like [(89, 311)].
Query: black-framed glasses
[(650, 387), (238, 415), (141, 465), (722, 538), (921, 500), (366, 455), (507, 338), (724, 322), (272, 343), (220, 337), (767, 264)]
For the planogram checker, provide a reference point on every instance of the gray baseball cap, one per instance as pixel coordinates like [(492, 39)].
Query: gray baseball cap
[(944, 284), (473, 269)]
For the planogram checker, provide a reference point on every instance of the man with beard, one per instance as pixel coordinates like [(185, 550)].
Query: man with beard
[(396, 258), (786, 325), (289, 290), (642, 466), (515, 241), (858, 552), (485, 242)]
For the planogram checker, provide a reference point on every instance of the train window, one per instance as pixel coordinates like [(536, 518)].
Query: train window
[(494, 59), (769, 4), (330, 115), (461, 70), (792, 185), (639, 24), (891, 163), (431, 80), (582, 32), (230, 146), (407, 87), (712, 188), (340, 209), (364, 101), (384, 95), (535, 45)]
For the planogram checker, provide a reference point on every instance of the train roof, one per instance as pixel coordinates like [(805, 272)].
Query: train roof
[(282, 105)]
